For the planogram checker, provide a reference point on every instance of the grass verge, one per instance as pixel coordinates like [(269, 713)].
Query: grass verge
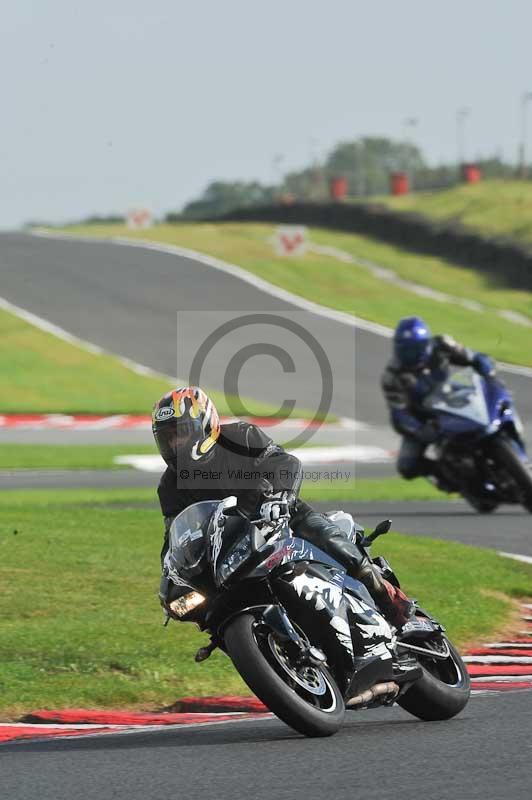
[(353, 289), (64, 456), (370, 490), (79, 617), (434, 273)]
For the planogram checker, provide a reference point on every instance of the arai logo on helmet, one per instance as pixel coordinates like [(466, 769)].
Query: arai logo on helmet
[(164, 413)]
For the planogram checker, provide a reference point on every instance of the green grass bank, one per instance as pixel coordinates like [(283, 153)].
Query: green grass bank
[(493, 207)]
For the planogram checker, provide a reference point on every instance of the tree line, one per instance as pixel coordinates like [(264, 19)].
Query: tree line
[(366, 163)]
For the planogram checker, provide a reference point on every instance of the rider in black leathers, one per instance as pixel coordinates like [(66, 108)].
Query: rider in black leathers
[(420, 362), (209, 461)]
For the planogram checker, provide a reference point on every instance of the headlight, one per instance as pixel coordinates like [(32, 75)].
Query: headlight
[(187, 603), (235, 557)]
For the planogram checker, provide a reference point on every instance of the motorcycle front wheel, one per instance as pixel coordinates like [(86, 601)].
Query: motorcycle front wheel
[(505, 454), (305, 697)]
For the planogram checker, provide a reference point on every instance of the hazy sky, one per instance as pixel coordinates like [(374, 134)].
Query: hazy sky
[(108, 105)]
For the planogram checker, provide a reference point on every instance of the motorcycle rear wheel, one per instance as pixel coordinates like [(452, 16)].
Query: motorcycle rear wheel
[(442, 691), (306, 699)]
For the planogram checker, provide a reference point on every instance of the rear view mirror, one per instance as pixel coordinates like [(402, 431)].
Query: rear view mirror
[(382, 528)]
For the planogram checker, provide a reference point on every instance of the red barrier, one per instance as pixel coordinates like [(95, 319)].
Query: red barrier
[(471, 173), (399, 183), (338, 188)]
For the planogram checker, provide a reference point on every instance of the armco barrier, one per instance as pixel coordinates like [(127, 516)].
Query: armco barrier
[(507, 262)]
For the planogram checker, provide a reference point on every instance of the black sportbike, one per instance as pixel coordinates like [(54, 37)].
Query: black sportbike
[(306, 638)]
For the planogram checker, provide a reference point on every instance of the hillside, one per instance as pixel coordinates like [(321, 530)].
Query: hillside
[(496, 207)]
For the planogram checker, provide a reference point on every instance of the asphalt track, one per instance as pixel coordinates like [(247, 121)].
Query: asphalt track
[(508, 530), (125, 299), (483, 754)]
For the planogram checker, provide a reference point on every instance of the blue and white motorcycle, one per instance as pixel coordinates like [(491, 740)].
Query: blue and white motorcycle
[(480, 446)]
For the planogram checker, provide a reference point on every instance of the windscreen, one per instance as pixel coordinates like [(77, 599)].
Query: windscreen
[(188, 539), (461, 394)]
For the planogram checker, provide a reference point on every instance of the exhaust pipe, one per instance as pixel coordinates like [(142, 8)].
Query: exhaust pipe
[(379, 690)]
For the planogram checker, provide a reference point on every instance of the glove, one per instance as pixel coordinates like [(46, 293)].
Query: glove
[(484, 365), (276, 507), (428, 432)]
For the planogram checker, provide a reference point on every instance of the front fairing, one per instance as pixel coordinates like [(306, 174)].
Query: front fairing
[(272, 555), (287, 557), (502, 412), (463, 405)]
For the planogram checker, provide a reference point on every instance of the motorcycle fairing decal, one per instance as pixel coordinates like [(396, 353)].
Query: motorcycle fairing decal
[(287, 551), (380, 650), (338, 578), (217, 535), (175, 577), (189, 536), (418, 624), (323, 593), (371, 630), (328, 598), (371, 634), (284, 551), (343, 633)]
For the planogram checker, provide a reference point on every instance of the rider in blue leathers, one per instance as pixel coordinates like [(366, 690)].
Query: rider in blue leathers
[(421, 361)]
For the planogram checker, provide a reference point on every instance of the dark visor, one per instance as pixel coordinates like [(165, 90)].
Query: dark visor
[(175, 438), (411, 353)]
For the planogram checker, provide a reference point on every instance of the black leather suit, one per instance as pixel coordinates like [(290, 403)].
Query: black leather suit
[(243, 458)]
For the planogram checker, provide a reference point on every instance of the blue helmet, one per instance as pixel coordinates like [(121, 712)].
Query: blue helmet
[(412, 342)]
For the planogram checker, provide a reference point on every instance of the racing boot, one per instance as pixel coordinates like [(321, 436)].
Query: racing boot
[(396, 607), (430, 468), (323, 533)]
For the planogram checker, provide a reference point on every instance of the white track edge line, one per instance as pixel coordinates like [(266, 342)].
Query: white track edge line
[(496, 678), (516, 557)]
